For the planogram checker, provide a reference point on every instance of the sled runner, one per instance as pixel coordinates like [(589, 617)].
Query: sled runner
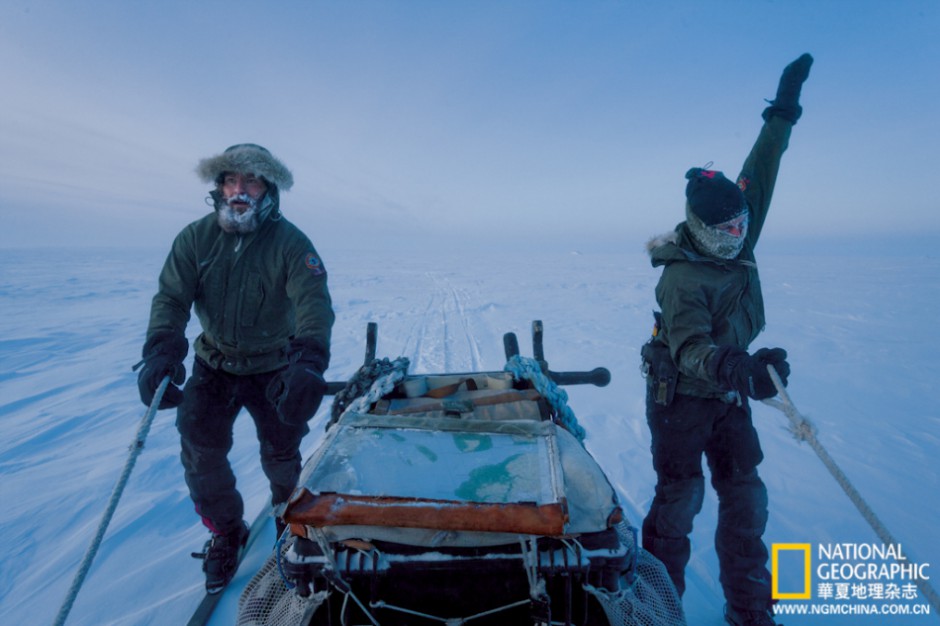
[(457, 498)]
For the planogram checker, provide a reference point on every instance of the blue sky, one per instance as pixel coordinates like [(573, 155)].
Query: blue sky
[(569, 122)]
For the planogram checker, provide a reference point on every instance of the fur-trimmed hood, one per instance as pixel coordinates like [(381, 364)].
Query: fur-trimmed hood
[(246, 158), (676, 245), (661, 240)]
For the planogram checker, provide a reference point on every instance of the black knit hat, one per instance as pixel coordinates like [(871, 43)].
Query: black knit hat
[(712, 197)]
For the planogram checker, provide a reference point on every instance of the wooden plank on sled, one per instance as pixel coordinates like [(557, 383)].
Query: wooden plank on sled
[(332, 509)]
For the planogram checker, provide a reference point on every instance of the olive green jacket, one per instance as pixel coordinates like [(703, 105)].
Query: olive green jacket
[(252, 293), (707, 302)]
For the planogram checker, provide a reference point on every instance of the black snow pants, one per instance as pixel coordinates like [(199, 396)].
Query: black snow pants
[(212, 399), (682, 432)]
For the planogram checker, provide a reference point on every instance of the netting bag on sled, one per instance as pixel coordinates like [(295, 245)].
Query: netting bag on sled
[(650, 599)]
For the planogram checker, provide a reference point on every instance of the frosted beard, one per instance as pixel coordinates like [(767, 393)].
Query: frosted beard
[(231, 221)]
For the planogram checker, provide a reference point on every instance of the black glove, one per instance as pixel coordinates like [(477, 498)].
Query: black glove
[(747, 373), (163, 355), (297, 390), (787, 102)]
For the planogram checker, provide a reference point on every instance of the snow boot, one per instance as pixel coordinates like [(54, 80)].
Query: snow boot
[(220, 557), (740, 617)]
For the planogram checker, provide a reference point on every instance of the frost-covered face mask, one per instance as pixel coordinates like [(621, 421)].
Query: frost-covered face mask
[(722, 241)]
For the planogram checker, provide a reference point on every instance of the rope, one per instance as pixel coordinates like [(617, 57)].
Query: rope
[(369, 385), (448, 621), (536, 591), (136, 446), (278, 548), (337, 581), (341, 587), (538, 596), (804, 430), (530, 562), (529, 369)]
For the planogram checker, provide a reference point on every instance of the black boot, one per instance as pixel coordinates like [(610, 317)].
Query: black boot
[(220, 557), (741, 617)]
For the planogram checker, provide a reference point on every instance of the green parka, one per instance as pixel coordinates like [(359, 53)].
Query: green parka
[(707, 302), (253, 295)]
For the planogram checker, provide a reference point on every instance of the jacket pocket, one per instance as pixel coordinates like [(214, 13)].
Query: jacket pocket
[(252, 299)]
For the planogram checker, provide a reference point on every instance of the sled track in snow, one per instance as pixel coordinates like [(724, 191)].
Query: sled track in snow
[(442, 337)]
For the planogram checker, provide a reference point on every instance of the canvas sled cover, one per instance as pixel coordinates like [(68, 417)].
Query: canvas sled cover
[(421, 475)]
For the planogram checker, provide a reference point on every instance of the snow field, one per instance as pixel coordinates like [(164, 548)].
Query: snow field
[(860, 331)]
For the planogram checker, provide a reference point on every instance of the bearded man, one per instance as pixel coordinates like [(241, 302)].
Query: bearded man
[(259, 289)]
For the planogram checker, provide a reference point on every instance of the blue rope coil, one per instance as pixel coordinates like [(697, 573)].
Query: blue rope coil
[(523, 368)]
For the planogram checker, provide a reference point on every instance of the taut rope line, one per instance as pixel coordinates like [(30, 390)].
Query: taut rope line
[(136, 446), (804, 430)]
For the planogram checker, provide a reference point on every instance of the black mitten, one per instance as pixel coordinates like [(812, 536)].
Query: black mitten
[(163, 355), (776, 357), (297, 391), (787, 102), (747, 373)]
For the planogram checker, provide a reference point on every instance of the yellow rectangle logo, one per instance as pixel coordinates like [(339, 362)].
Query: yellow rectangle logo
[(775, 592)]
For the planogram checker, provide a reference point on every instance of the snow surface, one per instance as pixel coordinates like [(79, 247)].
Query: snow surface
[(860, 329)]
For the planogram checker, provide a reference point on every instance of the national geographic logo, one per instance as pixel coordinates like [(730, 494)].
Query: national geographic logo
[(801, 551), (844, 571)]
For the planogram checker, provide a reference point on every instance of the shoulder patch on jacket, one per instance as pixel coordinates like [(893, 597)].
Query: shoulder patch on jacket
[(314, 264)]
